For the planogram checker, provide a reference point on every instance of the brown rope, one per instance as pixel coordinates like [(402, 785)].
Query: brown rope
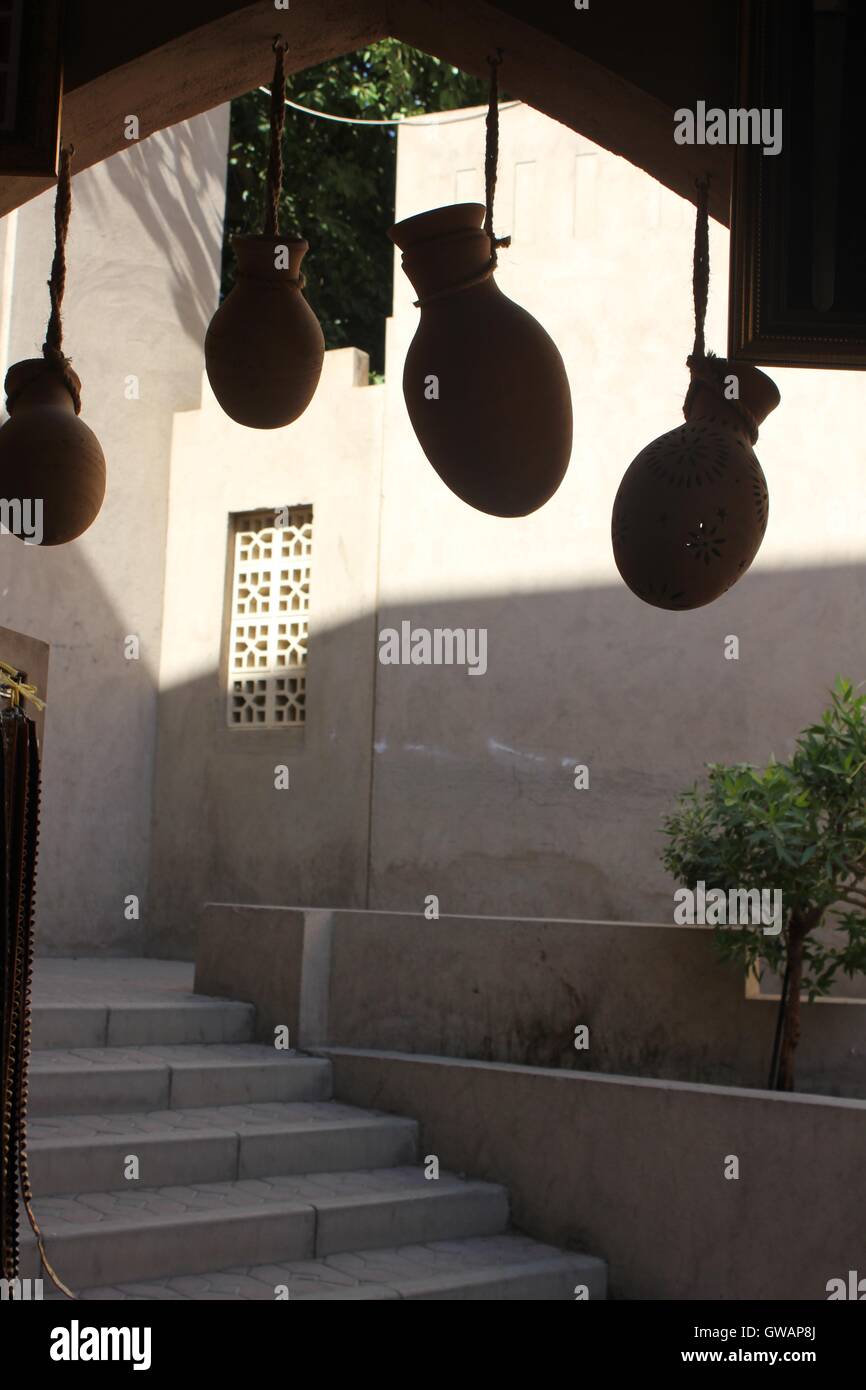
[(275, 159), (711, 371), (705, 368), (491, 166), (52, 348), (491, 158), (701, 267)]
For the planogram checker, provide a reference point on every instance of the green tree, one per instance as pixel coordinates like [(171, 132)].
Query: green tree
[(339, 182), (799, 827)]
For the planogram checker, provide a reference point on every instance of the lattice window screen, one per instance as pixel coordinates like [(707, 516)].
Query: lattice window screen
[(269, 620)]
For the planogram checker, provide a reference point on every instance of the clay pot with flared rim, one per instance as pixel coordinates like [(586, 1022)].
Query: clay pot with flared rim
[(50, 460), (691, 511), (264, 347), (484, 384)]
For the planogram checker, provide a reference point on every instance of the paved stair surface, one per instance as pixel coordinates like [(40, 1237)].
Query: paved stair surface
[(252, 1182)]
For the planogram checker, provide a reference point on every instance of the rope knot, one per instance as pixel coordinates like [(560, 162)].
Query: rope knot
[(61, 364), (710, 371)]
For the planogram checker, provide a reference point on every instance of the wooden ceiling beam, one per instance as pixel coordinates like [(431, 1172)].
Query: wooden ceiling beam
[(231, 54)]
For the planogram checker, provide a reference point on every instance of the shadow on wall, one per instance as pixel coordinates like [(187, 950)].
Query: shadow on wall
[(144, 275), (410, 780), (173, 211), (97, 755)]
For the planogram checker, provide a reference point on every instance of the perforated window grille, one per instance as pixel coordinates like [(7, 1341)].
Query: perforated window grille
[(270, 615)]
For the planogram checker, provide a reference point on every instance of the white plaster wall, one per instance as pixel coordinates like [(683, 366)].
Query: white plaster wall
[(223, 830), (473, 795), (406, 780), (143, 268)]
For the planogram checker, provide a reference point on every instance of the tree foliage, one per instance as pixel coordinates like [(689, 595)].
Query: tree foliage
[(798, 827), (338, 188)]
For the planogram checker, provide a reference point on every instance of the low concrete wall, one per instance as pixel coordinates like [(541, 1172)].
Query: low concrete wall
[(255, 955), (634, 1170), (656, 999)]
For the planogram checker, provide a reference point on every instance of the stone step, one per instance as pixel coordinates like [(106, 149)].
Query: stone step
[(107, 1238), (187, 1019), (112, 1079), (90, 1153), (498, 1267)]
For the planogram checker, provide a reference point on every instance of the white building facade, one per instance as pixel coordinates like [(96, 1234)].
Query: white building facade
[(259, 751)]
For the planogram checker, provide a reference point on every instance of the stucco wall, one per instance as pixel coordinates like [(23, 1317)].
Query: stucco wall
[(634, 1170), (463, 785), (222, 828), (655, 1000), (473, 796), (406, 781), (143, 261)]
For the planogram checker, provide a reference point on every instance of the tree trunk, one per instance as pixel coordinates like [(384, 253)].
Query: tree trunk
[(797, 930)]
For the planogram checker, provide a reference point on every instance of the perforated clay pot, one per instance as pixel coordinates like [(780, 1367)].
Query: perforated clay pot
[(692, 509)]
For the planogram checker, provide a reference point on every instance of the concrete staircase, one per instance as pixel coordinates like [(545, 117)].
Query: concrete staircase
[(252, 1182)]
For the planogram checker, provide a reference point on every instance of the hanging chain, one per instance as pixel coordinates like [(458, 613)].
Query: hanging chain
[(52, 348), (701, 268), (275, 160), (31, 811), (491, 157)]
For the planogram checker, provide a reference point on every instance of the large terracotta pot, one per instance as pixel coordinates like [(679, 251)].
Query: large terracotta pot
[(48, 455), (264, 347), (485, 386), (691, 511)]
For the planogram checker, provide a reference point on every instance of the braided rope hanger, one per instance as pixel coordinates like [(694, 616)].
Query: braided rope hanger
[(491, 158), (52, 348), (274, 182), (275, 158), (491, 169), (701, 264), (705, 367)]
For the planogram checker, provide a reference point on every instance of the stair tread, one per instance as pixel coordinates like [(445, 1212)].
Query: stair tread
[(137, 1000), (213, 1104), (137, 1019), (247, 1197), (175, 1055), (393, 1272), (111, 980), (269, 1117), (156, 1076)]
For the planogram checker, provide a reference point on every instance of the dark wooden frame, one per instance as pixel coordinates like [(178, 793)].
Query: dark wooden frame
[(31, 145), (770, 205)]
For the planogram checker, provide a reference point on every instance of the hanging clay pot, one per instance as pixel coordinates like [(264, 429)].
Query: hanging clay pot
[(264, 347), (691, 511), (485, 386), (50, 460)]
